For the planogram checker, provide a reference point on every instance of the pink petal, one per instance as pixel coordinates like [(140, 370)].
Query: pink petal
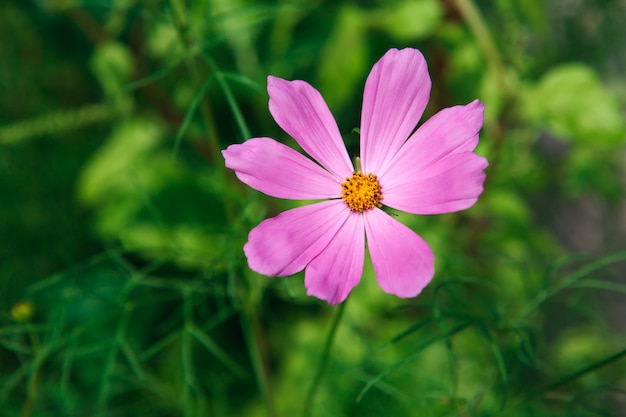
[(395, 96), (450, 184), (277, 170), (403, 262), (338, 268), (301, 111), (436, 170), (285, 244), (454, 129)]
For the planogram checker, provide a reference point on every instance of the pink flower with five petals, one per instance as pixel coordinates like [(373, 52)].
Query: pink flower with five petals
[(430, 170)]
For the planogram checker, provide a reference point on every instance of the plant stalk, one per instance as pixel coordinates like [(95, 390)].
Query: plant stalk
[(321, 369)]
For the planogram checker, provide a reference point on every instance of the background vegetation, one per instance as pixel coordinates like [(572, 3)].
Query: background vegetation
[(124, 290)]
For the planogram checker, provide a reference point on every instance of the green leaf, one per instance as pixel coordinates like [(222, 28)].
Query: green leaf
[(411, 20), (571, 101), (111, 167), (113, 66)]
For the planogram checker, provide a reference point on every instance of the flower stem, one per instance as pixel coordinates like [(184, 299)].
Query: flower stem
[(308, 404)]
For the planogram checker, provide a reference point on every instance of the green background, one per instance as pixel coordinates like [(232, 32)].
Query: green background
[(124, 290)]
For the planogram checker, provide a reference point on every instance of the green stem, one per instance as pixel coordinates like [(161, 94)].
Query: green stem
[(56, 122), (187, 355), (570, 281), (564, 381), (581, 372), (33, 383), (253, 332), (471, 15), (106, 384), (180, 21), (321, 369), (479, 29)]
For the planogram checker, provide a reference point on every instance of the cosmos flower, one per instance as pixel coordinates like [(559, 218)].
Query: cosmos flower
[(430, 170)]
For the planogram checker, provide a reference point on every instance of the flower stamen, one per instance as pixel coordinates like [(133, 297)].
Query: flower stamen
[(361, 192)]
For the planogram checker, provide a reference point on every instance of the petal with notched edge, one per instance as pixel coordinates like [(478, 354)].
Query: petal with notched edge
[(403, 262), (285, 244)]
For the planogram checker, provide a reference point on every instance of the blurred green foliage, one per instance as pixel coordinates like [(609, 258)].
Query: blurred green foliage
[(123, 285)]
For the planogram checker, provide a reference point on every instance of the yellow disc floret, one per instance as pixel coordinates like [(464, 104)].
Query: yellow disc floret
[(361, 192)]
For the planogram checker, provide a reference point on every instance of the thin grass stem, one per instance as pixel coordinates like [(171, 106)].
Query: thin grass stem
[(570, 281), (321, 369), (581, 372), (187, 355), (254, 337), (481, 32), (182, 27)]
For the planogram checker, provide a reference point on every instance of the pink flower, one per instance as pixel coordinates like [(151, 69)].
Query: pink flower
[(433, 171)]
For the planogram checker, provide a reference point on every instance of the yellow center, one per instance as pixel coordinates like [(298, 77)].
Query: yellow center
[(361, 192)]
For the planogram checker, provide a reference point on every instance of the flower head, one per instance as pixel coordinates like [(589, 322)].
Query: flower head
[(427, 171)]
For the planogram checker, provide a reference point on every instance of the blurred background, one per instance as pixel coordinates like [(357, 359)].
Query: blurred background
[(124, 289)]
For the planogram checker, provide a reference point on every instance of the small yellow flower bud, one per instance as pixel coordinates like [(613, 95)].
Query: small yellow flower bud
[(23, 311)]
